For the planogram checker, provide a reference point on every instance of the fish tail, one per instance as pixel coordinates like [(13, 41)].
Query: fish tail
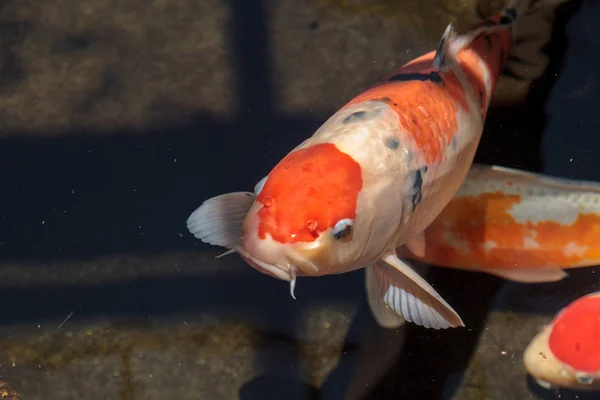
[(530, 23), (524, 25)]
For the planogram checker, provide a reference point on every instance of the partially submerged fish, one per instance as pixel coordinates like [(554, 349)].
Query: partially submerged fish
[(566, 353), (517, 225), (378, 172)]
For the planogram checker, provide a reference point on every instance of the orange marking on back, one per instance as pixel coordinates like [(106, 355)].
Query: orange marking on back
[(575, 335), (484, 235), (427, 110), (492, 50), (470, 62), (311, 189), (433, 127)]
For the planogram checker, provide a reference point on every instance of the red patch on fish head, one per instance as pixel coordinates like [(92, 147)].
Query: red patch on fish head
[(308, 192), (575, 335)]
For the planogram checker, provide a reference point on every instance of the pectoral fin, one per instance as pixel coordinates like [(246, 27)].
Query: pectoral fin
[(385, 316), (218, 220), (530, 275), (410, 296)]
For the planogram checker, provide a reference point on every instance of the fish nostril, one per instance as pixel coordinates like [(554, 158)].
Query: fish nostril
[(268, 201), (311, 225)]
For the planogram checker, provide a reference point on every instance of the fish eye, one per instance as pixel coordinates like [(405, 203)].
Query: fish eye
[(342, 228), (258, 187), (584, 379)]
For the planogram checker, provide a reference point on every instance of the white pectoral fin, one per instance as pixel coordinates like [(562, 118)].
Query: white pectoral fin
[(531, 275), (385, 316), (409, 295), (218, 221)]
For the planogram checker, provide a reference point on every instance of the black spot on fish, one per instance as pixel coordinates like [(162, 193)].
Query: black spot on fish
[(392, 143), (433, 76), (505, 20), (388, 101), (354, 116), (417, 187)]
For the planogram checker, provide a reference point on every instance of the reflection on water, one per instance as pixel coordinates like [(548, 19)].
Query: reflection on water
[(114, 116)]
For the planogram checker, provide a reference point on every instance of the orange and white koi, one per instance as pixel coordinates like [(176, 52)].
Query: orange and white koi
[(566, 353), (517, 225), (377, 173)]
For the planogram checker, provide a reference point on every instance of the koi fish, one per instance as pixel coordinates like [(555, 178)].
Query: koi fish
[(517, 225), (378, 172), (566, 353)]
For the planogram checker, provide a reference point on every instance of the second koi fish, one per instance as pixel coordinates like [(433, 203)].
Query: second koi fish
[(517, 225), (379, 171), (566, 352)]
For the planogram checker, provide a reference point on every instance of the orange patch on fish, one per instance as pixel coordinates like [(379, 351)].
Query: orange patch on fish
[(308, 192), (575, 335), (496, 58), (426, 107), (490, 52), (469, 61), (479, 231)]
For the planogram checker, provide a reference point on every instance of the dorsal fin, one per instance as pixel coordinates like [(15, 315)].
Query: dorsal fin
[(453, 43), (439, 60)]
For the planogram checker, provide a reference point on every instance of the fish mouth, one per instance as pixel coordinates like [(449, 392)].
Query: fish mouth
[(283, 272)]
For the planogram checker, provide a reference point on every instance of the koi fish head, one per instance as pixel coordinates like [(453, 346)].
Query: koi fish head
[(328, 207), (567, 352)]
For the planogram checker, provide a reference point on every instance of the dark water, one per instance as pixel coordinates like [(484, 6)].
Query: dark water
[(93, 227)]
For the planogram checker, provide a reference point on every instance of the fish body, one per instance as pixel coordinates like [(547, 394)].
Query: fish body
[(518, 225), (566, 353), (374, 176)]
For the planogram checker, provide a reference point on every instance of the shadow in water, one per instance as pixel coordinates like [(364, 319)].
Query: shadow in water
[(98, 193), (571, 143), (102, 194), (513, 135), (359, 371), (162, 296), (279, 384), (431, 357)]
